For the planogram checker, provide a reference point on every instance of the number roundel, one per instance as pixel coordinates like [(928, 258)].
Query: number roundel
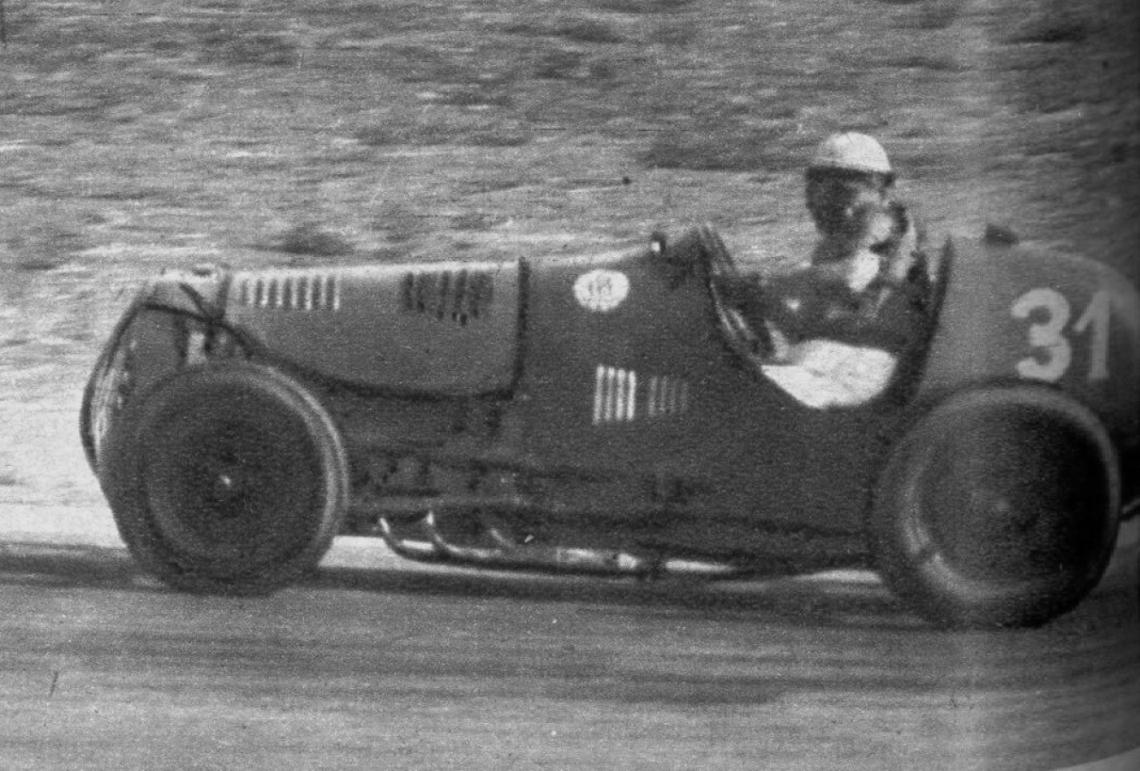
[(601, 290), (1050, 333)]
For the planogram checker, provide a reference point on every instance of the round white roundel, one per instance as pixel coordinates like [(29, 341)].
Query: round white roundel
[(601, 290)]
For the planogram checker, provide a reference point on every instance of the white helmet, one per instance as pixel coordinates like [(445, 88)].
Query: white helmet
[(851, 151)]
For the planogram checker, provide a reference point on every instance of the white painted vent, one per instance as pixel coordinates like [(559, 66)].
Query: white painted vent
[(292, 291), (615, 395), (666, 396), (621, 396)]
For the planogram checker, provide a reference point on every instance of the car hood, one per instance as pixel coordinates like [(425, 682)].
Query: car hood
[(445, 328)]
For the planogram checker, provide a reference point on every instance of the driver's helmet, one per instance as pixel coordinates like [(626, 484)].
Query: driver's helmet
[(851, 151)]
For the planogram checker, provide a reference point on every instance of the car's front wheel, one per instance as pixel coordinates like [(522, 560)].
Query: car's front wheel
[(998, 508), (228, 478)]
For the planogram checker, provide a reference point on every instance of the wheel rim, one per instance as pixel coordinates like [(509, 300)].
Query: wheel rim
[(237, 482)]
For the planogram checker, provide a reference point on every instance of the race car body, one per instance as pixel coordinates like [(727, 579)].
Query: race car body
[(1041, 317), (609, 413)]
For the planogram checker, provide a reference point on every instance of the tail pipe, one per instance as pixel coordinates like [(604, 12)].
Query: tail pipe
[(503, 552)]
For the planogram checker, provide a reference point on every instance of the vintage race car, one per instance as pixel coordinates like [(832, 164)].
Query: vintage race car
[(613, 413)]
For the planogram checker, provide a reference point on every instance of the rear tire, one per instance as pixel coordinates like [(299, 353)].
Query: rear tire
[(999, 508), (102, 398), (229, 478)]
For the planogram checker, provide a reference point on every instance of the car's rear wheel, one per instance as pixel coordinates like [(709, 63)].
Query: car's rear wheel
[(228, 478), (100, 398), (999, 508)]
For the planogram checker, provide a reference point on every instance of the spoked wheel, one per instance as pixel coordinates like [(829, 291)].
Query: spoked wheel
[(1000, 508), (228, 478)]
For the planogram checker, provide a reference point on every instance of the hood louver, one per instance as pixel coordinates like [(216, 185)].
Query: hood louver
[(459, 296), (293, 291), (426, 327)]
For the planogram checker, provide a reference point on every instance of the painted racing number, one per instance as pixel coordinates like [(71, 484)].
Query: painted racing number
[(1051, 335), (601, 290)]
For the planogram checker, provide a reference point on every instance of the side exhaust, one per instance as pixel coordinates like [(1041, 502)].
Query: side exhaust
[(505, 553)]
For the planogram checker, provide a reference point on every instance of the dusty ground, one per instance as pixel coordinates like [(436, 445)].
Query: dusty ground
[(438, 668)]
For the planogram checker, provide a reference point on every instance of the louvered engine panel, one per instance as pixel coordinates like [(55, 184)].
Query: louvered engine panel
[(440, 328)]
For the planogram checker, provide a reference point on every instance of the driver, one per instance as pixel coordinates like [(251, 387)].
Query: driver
[(864, 231), (840, 327)]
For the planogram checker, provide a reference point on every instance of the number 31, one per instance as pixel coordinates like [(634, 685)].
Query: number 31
[(1050, 336)]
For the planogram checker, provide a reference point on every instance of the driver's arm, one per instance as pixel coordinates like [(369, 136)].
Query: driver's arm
[(813, 305), (807, 304)]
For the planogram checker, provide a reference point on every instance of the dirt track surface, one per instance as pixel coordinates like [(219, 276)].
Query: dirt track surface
[(144, 134), (395, 668)]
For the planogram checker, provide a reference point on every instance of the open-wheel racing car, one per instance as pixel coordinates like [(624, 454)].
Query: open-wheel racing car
[(612, 413)]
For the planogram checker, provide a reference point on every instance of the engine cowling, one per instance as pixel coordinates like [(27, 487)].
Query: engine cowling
[(448, 329)]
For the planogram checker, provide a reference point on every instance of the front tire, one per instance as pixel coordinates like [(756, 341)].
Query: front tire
[(229, 478), (999, 508)]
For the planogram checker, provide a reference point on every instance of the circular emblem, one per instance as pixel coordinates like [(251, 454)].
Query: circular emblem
[(601, 290)]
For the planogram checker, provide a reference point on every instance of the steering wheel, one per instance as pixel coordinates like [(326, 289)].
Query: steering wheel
[(747, 339)]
